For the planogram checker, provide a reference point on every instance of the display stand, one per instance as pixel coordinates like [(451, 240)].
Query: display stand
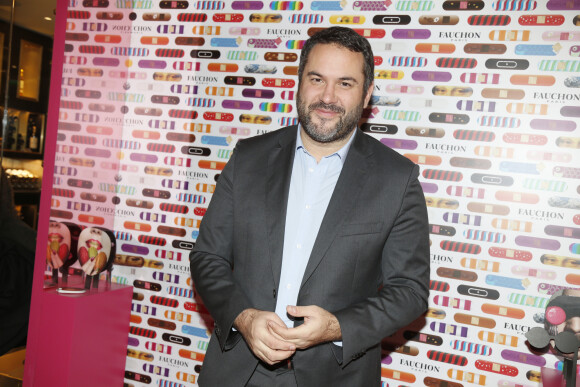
[(84, 339), (73, 339)]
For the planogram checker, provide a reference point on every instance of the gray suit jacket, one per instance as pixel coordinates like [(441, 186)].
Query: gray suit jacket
[(369, 265)]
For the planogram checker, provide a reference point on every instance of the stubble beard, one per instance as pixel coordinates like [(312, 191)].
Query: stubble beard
[(320, 132)]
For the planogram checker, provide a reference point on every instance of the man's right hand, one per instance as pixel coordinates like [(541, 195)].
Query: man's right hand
[(253, 324)]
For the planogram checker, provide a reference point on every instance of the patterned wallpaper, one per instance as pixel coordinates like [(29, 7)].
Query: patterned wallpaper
[(483, 95)]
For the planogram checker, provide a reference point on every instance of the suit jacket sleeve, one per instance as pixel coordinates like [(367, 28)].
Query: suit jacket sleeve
[(212, 260), (405, 278)]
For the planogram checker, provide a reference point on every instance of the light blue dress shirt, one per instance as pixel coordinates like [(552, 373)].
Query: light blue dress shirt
[(311, 186)]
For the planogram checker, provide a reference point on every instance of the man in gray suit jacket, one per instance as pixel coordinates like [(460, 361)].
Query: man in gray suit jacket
[(315, 245)]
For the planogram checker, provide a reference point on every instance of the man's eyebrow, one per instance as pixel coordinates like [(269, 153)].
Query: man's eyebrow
[(317, 74), (314, 73)]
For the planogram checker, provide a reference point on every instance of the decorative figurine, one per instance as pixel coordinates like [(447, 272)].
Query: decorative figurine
[(562, 332), (96, 252)]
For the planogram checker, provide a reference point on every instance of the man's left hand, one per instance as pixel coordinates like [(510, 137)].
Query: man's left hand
[(319, 326)]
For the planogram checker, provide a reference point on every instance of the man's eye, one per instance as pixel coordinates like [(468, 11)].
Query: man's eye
[(346, 84)]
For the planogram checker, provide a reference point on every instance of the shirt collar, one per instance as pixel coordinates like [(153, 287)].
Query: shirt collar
[(341, 153)]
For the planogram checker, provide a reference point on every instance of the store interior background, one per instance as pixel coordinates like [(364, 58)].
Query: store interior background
[(32, 24), (23, 24)]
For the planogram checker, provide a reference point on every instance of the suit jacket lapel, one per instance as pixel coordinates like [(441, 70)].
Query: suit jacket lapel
[(351, 179), (279, 171)]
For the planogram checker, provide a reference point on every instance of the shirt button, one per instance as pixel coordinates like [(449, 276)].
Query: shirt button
[(298, 246), (289, 286), (310, 169), (308, 206)]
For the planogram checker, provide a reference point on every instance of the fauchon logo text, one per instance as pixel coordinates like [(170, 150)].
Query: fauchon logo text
[(518, 328), (113, 120), (446, 148), (193, 175), (455, 36), (133, 121), (179, 268), (283, 32), (173, 362), (436, 258), (418, 366), (115, 211), (537, 214), (129, 29), (202, 79), (551, 97)]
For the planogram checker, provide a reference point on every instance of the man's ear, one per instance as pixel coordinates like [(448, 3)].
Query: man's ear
[(369, 94)]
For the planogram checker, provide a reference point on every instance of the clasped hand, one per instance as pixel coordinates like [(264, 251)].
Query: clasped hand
[(271, 341)]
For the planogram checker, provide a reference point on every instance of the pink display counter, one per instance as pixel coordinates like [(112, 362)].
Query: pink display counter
[(84, 338)]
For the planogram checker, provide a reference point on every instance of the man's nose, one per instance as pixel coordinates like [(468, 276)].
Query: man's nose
[(328, 94)]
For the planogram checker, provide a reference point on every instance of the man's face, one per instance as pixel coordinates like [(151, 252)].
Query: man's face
[(330, 97)]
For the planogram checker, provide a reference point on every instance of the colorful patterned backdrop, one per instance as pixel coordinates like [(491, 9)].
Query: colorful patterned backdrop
[(485, 96)]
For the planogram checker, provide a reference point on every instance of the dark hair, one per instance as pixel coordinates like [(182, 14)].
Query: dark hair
[(342, 37)]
